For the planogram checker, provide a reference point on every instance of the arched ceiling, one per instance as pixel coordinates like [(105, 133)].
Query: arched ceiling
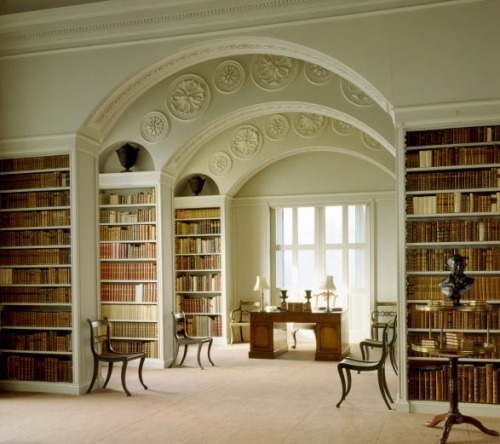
[(228, 116)]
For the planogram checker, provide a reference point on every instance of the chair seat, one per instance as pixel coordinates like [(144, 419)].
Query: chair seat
[(357, 363), (114, 356), (195, 340)]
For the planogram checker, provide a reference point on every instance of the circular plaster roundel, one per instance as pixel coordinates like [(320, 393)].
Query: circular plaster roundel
[(309, 124), (229, 76), (246, 141), (317, 74), (273, 71), (188, 96), (342, 127), (154, 126), (277, 127), (220, 163)]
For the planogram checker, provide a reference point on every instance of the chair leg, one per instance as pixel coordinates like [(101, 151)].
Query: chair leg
[(294, 336), (108, 377), (392, 355), (208, 353), (383, 387), (199, 353), (124, 372), (184, 354), (94, 376), (343, 383), (241, 334), (141, 364), (232, 335), (365, 353), (175, 355)]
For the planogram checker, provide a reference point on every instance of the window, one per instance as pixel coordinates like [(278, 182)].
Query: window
[(314, 241)]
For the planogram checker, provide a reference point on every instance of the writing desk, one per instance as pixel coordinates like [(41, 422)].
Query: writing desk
[(268, 333)]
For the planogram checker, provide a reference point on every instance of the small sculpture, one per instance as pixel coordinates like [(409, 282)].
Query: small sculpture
[(196, 183), (127, 155), (457, 283)]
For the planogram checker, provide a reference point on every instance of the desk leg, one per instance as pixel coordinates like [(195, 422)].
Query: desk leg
[(454, 416)]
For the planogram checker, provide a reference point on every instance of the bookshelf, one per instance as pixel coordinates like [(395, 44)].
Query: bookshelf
[(452, 197), (199, 268), (36, 294), (129, 271)]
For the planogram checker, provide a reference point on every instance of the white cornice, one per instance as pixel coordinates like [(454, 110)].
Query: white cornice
[(116, 21)]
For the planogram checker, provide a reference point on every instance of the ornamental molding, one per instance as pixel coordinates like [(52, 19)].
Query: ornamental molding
[(188, 97), (103, 118), (154, 126), (246, 141), (229, 76)]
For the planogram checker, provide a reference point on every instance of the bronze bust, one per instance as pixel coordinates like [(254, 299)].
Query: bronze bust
[(457, 283)]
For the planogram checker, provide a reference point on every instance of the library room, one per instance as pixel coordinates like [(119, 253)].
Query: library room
[(249, 221)]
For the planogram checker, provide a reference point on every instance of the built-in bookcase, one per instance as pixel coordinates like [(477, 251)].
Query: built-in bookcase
[(129, 266), (36, 298), (452, 192), (199, 269)]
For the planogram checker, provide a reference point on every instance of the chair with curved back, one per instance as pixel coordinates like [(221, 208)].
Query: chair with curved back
[(350, 364), (102, 351), (240, 317), (368, 343), (181, 337), (384, 311)]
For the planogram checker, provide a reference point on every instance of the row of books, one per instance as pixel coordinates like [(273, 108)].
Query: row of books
[(128, 271), (130, 312), (434, 259), (189, 282), (35, 163), (134, 329), (440, 157), (476, 384), (453, 319), (485, 288), (45, 256), (453, 230), (127, 346), (456, 202), (25, 181), (35, 295), (42, 218), (24, 276), (145, 250), (197, 245), (129, 292), (198, 305), (128, 233), (207, 226), (211, 262), (453, 135), (37, 341), (37, 368), (453, 180), (33, 238), (197, 213), (30, 318), (111, 198), (198, 325), (129, 217), (35, 199)]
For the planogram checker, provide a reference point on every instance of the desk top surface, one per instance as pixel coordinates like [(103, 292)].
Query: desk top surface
[(296, 316)]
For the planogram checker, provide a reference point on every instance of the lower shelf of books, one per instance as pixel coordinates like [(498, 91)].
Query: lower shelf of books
[(203, 324), (36, 368)]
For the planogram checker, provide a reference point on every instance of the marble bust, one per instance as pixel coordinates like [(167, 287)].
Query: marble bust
[(457, 283)]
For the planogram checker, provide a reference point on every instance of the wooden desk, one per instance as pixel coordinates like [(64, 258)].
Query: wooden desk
[(268, 335)]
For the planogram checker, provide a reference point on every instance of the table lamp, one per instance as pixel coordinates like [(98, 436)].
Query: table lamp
[(328, 285), (261, 285)]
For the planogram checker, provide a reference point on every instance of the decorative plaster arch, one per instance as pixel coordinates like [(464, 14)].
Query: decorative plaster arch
[(182, 157), (108, 112)]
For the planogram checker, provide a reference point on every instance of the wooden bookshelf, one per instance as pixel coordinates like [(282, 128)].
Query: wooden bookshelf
[(199, 280), (36, 295), (452, 196), (129, 268)]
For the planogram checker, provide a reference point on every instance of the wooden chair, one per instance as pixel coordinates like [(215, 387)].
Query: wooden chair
[(240, 317), (102, 351), (182, 338), (296, 326), (368, 343), (383, 313), (348, 364)]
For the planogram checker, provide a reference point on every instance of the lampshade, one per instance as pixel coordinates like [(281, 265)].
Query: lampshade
[(328, 283), (261, 284)]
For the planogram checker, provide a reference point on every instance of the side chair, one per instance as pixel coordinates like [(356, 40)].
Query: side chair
[(181, 337), (102, 351), (368, 343), (383, 313), (240, 317), (350, 364)]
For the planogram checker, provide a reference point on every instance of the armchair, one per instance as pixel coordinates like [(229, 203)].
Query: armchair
[(240, 317)]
